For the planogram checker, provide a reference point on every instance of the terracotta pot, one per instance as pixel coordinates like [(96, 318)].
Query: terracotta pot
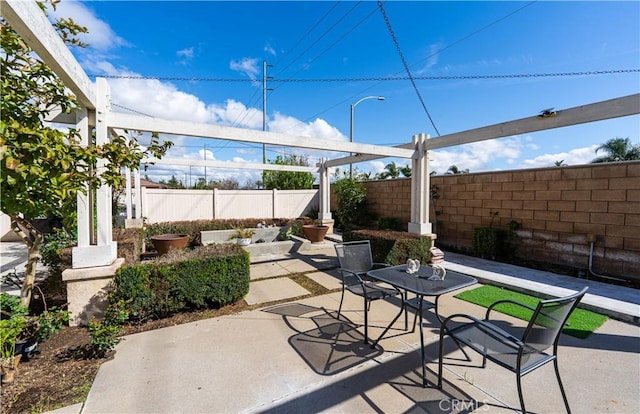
[(314, 233), (167, 242)]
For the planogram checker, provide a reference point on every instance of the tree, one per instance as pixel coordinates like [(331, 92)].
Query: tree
[(391, 171), (559, 164), (43, 167), (288, 180), (455, 170), (173, 183), (406, 171), (618, 149)]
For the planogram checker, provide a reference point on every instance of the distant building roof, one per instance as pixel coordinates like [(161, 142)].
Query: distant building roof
[(151, 184)]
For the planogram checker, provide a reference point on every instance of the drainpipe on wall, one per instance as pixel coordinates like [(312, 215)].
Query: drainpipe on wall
[(591, 238)]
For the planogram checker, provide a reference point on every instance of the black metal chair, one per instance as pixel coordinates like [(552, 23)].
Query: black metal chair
[(355, 261), (520, 355)]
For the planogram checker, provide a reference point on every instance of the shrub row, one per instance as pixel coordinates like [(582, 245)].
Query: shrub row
[(393, 247), (203, 277)]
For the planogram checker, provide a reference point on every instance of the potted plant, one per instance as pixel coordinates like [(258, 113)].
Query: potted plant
[(315, 232), (243, 236), (167, 242)]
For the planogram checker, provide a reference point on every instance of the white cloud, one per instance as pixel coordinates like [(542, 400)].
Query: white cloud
[(101, 37), (315, 129), (575, 156), (236, 114), (269, 49), (476, 156), (377, 166), (248, 66), (185, 55)]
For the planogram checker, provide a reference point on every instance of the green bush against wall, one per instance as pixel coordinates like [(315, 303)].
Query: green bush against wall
[(393, 247), (206, 276)]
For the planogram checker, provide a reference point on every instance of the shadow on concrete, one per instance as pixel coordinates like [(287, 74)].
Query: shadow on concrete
[(333, 347)]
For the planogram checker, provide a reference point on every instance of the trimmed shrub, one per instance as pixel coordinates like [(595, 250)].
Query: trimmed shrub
[(393, 247), (489, 242), (214, 275)]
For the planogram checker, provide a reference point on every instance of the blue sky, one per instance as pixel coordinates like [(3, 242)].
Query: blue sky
[(349, 41)]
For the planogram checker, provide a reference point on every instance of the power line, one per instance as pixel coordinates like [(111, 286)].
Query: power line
[(384, 78), (320, 38), (404, 63), (307, 33), (348, 32)]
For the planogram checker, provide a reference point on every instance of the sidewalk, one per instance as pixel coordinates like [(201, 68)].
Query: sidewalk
[(297, 357)]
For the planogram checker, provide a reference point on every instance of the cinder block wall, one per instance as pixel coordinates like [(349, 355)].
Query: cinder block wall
[(557, 209)]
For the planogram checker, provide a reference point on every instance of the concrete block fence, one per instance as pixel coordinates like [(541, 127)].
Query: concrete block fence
[(559, 209)]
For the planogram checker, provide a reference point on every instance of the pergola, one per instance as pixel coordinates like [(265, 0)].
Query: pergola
[(32, 25)]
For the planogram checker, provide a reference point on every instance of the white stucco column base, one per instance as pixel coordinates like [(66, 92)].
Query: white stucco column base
[(94, 256), (420, 228), (328, 222), (134, 223), (87, 290)]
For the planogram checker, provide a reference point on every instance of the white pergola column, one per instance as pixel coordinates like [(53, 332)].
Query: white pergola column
[(420, 188), (83, 199), (324, 208), (105, 252)]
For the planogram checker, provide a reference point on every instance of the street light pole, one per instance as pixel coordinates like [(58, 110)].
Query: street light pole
[(380, 98)]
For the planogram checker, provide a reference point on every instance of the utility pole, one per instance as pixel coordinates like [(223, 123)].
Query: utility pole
[(264, 105)]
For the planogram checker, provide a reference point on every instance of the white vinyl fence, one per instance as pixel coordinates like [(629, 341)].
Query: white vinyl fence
[(160, 205)]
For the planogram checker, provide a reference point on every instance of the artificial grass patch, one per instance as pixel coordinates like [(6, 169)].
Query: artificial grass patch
[(581, 322)]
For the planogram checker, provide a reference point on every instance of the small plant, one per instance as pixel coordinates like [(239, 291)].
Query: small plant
[(104, 337), (50, 322), (105, 334), (242, 233)]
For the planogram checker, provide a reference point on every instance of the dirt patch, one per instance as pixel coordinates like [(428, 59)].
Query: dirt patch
[(57, 375)]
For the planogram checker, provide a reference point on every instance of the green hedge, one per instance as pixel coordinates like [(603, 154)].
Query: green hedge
[(393, 247), (206, 276)]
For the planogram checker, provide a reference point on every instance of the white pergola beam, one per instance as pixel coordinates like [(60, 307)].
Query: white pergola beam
[(173, 127), (229, 164), (28, 20), (598, 111)]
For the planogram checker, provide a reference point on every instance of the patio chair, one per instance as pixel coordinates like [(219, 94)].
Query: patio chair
[(519, 354), (355, 261)]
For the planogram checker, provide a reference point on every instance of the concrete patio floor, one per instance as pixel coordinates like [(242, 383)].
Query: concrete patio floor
[(295, 356)]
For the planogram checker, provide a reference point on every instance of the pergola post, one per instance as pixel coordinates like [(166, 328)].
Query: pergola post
[(105, 252), (420, 188), (84, 204), (324, 207)]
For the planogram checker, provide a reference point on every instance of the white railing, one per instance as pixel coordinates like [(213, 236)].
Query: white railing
[(160, 205)]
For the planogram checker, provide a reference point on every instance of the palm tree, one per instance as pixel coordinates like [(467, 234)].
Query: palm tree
[(455, 170), (618, 149), (391, 171), (559, 164), (406, 171)]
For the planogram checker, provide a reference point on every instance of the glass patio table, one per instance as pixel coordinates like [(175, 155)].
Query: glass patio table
[(419, 284)]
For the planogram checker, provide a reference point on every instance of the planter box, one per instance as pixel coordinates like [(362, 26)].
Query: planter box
[(266, 235)]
